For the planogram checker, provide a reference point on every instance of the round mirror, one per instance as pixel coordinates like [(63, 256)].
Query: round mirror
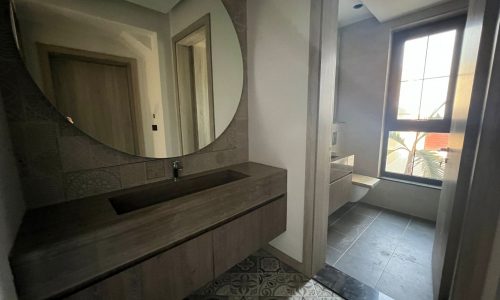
[(154, 78)]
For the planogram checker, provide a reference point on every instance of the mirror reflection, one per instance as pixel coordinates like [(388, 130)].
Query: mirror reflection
[(153, 78)]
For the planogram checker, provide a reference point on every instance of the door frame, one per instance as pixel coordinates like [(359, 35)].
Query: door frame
[(463, 166), (469, 258), (46, 50), (322, 85), (203, 22), (473, 266), (323, 33)]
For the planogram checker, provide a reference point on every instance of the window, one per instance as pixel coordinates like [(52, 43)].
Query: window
[(423, 73)]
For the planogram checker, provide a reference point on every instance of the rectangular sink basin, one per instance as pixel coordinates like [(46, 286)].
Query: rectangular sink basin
[(172, 190)]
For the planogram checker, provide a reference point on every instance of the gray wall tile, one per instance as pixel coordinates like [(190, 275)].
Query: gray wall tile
[(11, 206), (75, 153), (155, 169), (44, 191), (133, 175), (92, 182)]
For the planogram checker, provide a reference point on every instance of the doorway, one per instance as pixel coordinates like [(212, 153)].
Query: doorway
[(355, 227)]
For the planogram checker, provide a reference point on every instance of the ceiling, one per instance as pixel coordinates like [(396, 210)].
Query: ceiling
[(383, 10), (349, 15), (386, 10), (163, 6)]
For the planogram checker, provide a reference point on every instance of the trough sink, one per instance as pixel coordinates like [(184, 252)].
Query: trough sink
[(171, 190)]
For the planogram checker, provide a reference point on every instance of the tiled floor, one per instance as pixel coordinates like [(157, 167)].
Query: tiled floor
[(346, 286), (388, 251), (262, 276)]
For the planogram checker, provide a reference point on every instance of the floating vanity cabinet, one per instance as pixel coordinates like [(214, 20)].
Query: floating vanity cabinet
[(340, 193), (233, 241), (173, 274), (178, 272), (341, 169), (237, 239), (273, 219), (112, 247)]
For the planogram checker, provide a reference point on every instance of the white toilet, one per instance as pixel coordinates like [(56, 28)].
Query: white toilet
[(361, 185)]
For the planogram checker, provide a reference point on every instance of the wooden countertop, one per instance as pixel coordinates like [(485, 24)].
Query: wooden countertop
[(65, 247)]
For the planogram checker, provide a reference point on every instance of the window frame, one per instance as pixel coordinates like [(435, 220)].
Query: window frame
[(391, 122)]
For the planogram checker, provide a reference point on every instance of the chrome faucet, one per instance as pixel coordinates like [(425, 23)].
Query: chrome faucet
[(176, 167)]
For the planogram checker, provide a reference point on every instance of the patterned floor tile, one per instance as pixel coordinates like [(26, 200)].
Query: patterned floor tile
[(263, 276)]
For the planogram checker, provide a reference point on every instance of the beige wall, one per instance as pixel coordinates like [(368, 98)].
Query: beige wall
[(364, 56), (278, 58), (11, 207)]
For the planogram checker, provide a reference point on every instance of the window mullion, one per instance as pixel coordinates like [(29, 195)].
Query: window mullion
[(423, 78)]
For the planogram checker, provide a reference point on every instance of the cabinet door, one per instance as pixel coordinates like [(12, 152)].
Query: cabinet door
[(340, 193), (236, 240), (273, 220), (178, 272), (173, 274)]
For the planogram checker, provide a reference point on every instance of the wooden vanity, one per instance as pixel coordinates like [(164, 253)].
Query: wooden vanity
[(83, 249)]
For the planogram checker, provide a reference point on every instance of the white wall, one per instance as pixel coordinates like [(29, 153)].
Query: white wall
[(227, 62), (364, 56), (11, 207), (278, 58)]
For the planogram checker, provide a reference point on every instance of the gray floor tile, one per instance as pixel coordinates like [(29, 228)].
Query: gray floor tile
[(373, 252), (352, 223), (336, 215), (409, 271), (383, 226), (416, 246), (422, 226), (366, 209), (339, 240), (419, 254), (360, 268), (406, 280), (418, 239), (332, 255), (377, 241), (394, 218), (402, 290), (391, 251), (347, 286), (383, 233)]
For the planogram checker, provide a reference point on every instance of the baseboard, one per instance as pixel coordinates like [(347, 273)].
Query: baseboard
[(285, 258)]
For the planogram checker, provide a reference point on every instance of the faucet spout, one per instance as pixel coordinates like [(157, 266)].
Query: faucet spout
[(176, 168)]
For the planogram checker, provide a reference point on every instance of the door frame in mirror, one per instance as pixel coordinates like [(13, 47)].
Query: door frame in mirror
[(201, 23), (46, 50)]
